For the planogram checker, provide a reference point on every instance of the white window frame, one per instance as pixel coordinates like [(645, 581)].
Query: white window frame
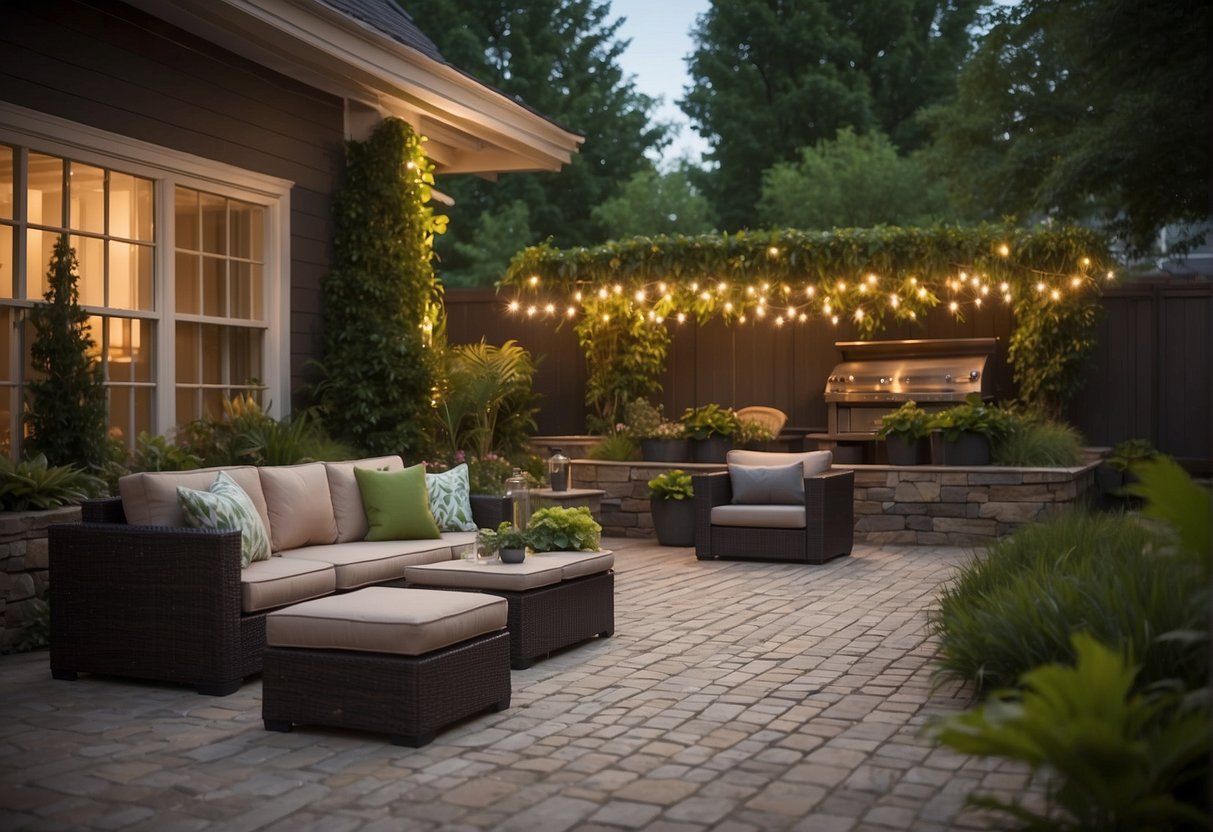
[(44, 133)]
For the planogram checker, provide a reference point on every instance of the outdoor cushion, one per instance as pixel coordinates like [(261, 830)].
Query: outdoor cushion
[(578, 564), (397, 507), (767, 517), (277, 582), (383, 619), (763, 485), (362, 562), (815, 462), (532, 573), (149, 498), (226, 506), (347, 499), (301, 510), (450, 499)]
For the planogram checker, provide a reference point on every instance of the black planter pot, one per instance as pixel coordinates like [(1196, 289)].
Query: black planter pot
[(967, 449), (665, 450), (674, 521), (902, 450), (712, 449), (513, 555)]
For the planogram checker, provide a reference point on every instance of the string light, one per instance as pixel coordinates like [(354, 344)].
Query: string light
[(682, 317), (603, 294), (639, 296), (1055, 294), (570, 312), (534, 280), (894, 301), (619, 288), (530, 311), (514, 306), (706, 296), (953, 306), (872, 279), (859, 313), (1085, 262), (1040, 287), (577, 296), (842, 286), (1004, 250), (722, 287), (773, 251), (661, 288), (1076, 282), (809, 291), (728, 306), (550, 308)]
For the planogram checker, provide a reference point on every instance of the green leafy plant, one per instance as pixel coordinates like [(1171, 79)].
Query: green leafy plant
[(36, 634), (561, 528), (1117, 759), (159, 453), (908, 421), (66, 416), (1125, 455), (625, 354), (974, 416), (674, 484), (642, 419), (505, 536), (247, 435), (753, 431), (34, 485), (669, 430), (1032, 442), (484, 402), (710, 420), (618, 447)]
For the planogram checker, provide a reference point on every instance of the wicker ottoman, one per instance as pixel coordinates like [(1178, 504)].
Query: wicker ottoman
[(404, 662), (555, 599)]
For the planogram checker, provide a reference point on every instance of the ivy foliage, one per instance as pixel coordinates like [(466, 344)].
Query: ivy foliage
[(628, 288), (381, 298), (66, 416)]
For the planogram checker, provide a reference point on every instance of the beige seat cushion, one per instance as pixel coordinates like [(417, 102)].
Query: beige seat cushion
[(815, 462), (383, 619), (276, 582), (763, 517), (364, 562), (578, 564), (347, 499), (301, 511), (532, 573), (149, 498)]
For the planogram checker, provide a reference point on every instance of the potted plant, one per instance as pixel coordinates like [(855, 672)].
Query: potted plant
[(563, 529), (660, 439), (670, 500), (905, 431), (711, 429), (507, 540), (754, 435), (961, 435)]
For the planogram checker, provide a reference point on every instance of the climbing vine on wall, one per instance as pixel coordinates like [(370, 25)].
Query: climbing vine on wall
[(1049, 277), (381, 299)]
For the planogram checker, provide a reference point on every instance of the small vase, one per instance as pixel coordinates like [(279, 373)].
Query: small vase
[(513, 555)]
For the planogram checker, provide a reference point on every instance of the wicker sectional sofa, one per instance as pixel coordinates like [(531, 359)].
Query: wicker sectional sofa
[(137, 593)]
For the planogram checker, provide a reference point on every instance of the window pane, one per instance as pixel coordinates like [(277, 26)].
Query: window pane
[(10, 406), (130, 207), (244, 356), (189, 353), (120, 413), (212, 403), (214, 223), (45, 191), (90, 263), (39, 246), (185, 209), (214, 287), (212, 355), (8, 345), (6, 182), (87, 188), (130, 285), (187, 405), (143, 342), (243, 302), (144, 401), (129, 349), (95, 332), (188, 283), (7, 258), (246, 223)]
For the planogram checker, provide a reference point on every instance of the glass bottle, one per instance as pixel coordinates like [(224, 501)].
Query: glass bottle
[(520, 498), (558, 470)]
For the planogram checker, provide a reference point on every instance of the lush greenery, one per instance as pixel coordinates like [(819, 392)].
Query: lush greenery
[(710, 420), (561, 57), (246, 435), (908, 421), (675, 484), (753, 432), (505, 536), (381, 298), (618, 447), (1085, 110), (1130, 452), (1034, 442), (561, 528), (1102, 624), (66, 417), (484, 402), (768, 79), (971, 416), (625, 354), (654, 203), (34, 484)]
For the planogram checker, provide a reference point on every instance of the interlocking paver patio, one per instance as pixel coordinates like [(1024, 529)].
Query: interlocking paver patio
[(733, 696)]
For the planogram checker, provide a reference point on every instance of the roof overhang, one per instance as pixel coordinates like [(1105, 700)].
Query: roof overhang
[(470, 127)]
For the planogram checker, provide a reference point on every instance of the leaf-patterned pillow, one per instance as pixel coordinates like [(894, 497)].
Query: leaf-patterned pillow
[(450, 502), (225, 505)]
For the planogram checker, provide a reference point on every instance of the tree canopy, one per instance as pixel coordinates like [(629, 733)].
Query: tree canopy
[(656, 203), (1082, 110)]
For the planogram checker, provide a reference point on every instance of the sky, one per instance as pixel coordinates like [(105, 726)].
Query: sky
[(661, 40)]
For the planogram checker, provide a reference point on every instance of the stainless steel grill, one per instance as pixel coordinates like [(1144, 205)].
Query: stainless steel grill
[(876, 377)]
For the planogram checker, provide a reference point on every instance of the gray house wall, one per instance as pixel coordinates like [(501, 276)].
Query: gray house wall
[(110, 66)]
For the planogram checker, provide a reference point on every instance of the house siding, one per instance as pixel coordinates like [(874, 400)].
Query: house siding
[(112, 67)]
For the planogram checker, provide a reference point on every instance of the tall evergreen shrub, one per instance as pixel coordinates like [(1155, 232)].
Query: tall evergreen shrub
[(377, 370), (66, 416)]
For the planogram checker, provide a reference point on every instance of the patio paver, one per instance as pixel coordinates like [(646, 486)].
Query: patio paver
[(733, 696)]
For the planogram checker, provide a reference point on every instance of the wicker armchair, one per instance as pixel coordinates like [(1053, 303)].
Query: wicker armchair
[(827, 531)]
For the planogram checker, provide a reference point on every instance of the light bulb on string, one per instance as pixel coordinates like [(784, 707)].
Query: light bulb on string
[(639, 296), (954, 306), (1055, 294), (1004, 250), (534, 281), (530, 311), (603, 294), (549, 308), (570, 312), (514, 306), (682, 317), (809, 291)]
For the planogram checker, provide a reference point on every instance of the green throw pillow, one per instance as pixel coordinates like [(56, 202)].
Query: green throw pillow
[(396, 504), (225, 505), (449, 499)]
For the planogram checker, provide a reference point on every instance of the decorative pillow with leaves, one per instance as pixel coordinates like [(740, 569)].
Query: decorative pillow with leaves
[(225, 505), (450, 499)]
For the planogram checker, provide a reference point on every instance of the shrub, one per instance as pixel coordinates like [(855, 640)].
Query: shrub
[(752, 430), (643, 419), (908, 421), (618, 447), (158, 453), (972, 415), (247, 435), (485, 402), (560, 528), (1038, 443), (710, 420), (1014, 608), (675, 484), (33, 485)]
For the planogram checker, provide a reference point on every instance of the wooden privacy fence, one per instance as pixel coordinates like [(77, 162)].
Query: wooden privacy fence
[(1149, 377)]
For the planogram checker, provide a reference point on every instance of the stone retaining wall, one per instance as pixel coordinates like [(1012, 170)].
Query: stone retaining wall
[(25, 567), (929, 505)]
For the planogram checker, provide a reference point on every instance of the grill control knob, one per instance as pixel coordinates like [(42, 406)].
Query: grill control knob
[(974, 375), (884, 380), (948, 378), (905, 379), (851, 378)]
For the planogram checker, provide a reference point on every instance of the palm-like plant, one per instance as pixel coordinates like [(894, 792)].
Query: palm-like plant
[(485, 401)]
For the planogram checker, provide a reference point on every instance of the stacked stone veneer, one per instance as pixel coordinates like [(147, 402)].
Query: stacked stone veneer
[(25, 567), (927, 505)]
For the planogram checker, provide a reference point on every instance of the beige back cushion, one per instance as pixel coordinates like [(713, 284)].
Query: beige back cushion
[(149, 498), (347, 499), (301, 511), (815, 462)]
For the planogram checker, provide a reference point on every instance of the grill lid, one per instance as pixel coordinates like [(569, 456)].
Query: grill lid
[(925, 370)]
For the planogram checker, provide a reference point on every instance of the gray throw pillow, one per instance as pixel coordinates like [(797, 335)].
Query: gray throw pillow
[(767, 485)]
